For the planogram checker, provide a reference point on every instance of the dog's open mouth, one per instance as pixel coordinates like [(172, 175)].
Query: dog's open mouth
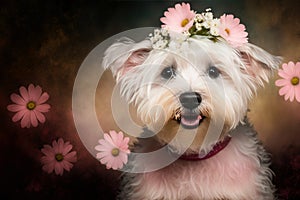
[(189, 119)]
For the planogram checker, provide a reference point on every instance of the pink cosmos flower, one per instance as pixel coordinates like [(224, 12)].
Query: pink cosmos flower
[(113, 150), (29, 106), (58, 157), (232, 31), (290, 74), (178, 19)]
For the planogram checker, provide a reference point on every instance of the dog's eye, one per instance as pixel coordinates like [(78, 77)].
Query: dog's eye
[(168, 72), (213, 72)]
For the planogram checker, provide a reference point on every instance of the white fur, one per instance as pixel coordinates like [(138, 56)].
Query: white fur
[(240, 170), (238, 87)]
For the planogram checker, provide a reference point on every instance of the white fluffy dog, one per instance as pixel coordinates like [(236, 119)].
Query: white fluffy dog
[(202, 88)]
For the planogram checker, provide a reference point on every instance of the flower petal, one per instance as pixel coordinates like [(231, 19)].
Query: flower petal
[(291, 94), (36, 93), (284, 90), (297, 68), (67, 149), (105, 143), (71, 157), (47, 160), (108, 139), (124, 144), (39, 116), (104, 147), (103, 154), (123, 157), (288, 68), (107, 158), (43, 98), (16, 107), (19, 115), (24, 93), (48, 151), (282, 82), (58, 167), (297, 93), (30, 91), (55, 146), (284, 75), (67, 165), (115, 137), (17, 99), (60, 145), (25, 122), (49, 167), (117, 163), (33, 119), (42, 108)]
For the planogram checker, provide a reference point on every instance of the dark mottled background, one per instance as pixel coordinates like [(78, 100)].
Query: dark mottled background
[(45, 42)]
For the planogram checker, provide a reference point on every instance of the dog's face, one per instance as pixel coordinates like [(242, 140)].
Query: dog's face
[(202, 84)]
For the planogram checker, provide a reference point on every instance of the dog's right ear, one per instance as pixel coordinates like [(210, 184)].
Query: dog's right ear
[(124, 55)]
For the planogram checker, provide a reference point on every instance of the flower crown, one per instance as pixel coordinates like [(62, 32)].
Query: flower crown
[(181, 22)]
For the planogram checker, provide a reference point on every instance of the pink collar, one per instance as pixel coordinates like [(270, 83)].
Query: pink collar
[(216, 149)]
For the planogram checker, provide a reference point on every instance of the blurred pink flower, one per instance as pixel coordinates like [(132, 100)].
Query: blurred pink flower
[(58, 157), (232, 31), (290, 74), (178, 19), (29, 106), (34, 186), (113, 150)]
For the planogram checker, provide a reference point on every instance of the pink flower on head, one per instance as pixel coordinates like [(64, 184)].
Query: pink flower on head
[(58, 157), (113, 150), (178, 19), (290, 82), (232, 31), (29, 106)]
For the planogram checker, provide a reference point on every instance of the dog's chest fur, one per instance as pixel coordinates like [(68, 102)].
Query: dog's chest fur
[(239, 171)]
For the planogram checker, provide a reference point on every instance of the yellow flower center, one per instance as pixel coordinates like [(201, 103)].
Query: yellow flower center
[(59, 157), (295, 80), (115, 152), (227, 31), (31, 105), (184, 22)]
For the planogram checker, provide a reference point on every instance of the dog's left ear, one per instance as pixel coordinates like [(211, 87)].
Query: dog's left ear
[(259, 64), (124, 55)]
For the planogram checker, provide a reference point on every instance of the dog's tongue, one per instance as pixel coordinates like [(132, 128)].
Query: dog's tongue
[(190, 120)]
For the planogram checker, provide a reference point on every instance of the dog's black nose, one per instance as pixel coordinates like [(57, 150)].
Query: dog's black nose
[(190, 100)]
